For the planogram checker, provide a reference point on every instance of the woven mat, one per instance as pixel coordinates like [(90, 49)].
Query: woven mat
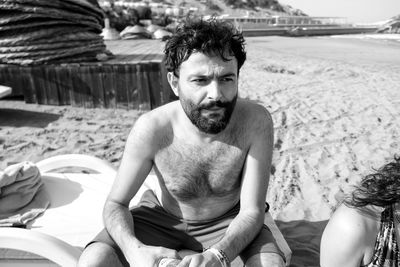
[(28, 36), (58, 52), (70, 37), (38, 22), (44, 31), (40, 58), (54, 13), (7, 17), (47, 46), (81, 7)]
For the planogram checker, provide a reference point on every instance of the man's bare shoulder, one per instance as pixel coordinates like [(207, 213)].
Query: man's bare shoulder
[(253, 115), (159, 117), (155, 124), (253, 109)]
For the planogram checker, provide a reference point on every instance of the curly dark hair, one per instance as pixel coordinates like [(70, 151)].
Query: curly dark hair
[(206, 36), (381, 188)]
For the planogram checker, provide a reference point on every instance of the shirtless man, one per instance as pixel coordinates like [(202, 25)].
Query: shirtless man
[(211, 153)]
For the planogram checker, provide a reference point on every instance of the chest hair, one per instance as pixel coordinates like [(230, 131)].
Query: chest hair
[(192, 172)]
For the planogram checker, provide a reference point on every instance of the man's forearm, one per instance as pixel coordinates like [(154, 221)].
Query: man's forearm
[(119, 224), (240, 233)]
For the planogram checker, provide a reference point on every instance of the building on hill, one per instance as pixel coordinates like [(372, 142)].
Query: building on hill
[(252, 22)]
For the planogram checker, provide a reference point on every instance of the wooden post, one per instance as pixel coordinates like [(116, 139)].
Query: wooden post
[(50, 84), (156, 92), (131, 86), (40, 88), (64, 85), (85, 86), (143, 87), (96, 85), (77, 97), (121, 86), (109, 86)]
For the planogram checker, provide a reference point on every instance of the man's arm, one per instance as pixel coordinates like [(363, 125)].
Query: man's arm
[(135, 166), (247, 224)]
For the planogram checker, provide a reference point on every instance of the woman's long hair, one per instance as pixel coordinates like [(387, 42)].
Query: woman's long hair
[(381, 188)]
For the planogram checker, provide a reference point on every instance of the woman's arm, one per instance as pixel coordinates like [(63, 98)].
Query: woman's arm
[(348, 238)]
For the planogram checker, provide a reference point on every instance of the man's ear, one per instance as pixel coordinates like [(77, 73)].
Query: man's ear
[(173, 82)]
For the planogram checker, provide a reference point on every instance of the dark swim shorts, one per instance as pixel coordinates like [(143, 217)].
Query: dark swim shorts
[(156, 227)]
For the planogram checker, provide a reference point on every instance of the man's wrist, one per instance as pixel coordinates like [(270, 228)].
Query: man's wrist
[(132, 244), (221, 256)]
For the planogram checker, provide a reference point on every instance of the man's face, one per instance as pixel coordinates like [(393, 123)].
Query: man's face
[(208, 89)]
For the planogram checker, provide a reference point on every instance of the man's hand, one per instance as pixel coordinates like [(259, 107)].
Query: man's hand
[(205, 259), (149, 256)]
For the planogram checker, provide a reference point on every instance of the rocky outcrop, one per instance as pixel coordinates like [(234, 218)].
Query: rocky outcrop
[(392, 26)]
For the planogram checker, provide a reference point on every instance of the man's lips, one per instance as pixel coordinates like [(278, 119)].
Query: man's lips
[(214, 108), (213, 111)]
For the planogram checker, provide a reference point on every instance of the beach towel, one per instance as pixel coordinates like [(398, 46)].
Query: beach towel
[(22, 194), (304, 239)]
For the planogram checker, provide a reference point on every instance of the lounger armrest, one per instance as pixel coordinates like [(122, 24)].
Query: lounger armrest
[(76, 160), (279, 238), (41, 244), (5, 91)]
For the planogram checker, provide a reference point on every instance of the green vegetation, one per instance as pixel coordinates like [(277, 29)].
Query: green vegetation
[(252, 4), (122, 16)]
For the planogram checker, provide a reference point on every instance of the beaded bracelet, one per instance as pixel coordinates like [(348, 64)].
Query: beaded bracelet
[(221, 256)]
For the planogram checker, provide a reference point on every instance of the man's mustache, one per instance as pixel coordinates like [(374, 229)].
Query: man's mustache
[(214, 104)]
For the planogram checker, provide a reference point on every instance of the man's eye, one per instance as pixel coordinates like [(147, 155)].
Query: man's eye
[(227, 79), (200, 80)]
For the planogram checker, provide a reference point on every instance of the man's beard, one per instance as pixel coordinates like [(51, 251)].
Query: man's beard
[(209, 124)]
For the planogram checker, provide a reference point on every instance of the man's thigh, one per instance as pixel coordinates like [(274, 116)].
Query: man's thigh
[(152, 225), (265, 260), (100, 255), (263, 248), (262, 259)]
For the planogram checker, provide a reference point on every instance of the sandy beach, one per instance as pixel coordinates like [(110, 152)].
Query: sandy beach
[(335, 104)]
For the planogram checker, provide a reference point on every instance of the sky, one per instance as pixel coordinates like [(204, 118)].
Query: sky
[(356, 11)]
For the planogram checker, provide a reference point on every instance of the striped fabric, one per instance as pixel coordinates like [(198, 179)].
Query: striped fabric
[(386, 250)]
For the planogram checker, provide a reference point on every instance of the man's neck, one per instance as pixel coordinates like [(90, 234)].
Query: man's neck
[(192, 132)]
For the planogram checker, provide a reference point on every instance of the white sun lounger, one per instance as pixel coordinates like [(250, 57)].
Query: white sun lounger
[(75, 215), (4, 91)]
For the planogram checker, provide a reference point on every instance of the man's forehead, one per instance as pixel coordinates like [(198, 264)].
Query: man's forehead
[(199, 62)]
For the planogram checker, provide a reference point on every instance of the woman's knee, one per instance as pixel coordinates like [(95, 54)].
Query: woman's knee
[(98, 255)]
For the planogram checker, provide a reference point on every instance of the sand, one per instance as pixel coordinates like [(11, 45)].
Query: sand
[(335, 104)]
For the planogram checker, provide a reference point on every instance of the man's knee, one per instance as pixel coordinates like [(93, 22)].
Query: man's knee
[(97, 255), (265, 259)]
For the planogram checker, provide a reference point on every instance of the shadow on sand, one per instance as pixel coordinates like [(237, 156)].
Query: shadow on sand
[(303, 238), (20, 118)]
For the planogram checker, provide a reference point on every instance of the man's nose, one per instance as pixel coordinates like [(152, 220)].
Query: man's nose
[(214, 91)]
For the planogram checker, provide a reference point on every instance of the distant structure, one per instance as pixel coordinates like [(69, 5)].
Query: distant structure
[(251, 23), (295, 25)]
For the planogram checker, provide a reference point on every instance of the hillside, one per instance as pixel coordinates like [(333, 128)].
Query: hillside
[(125, 13), (392, 26), (217, 7), (240, 7)]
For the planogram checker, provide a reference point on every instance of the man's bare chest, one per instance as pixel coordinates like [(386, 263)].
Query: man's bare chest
[(191, 171)]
